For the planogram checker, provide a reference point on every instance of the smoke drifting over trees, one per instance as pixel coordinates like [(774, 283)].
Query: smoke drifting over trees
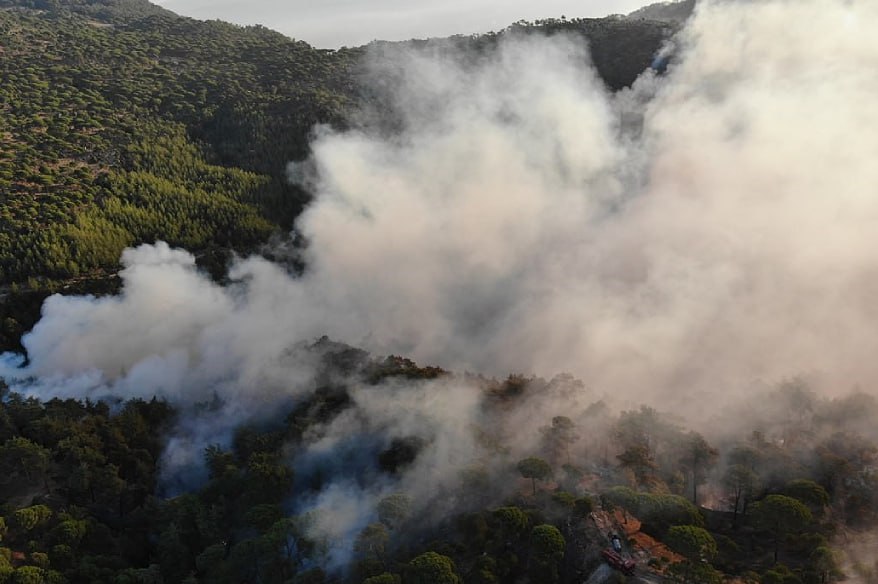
[(685, 243), (517, 222)]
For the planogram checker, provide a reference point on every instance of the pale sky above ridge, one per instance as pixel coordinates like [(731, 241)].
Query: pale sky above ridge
[(335, 23)]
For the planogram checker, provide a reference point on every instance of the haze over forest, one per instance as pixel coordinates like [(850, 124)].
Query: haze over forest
[(446, 310)]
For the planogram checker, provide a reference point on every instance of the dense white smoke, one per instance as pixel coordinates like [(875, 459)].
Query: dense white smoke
[(513, 225), (681, 239)]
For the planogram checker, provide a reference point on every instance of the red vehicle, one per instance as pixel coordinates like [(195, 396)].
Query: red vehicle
[(617, 561)]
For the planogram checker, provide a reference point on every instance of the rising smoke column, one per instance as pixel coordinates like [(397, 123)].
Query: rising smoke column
[(453, 238), (760, 202), (513, 225)]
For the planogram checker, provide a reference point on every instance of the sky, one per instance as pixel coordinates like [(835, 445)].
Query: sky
[(335, 23)]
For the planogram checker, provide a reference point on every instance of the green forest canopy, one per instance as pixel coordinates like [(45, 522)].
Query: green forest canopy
[(81, 498)]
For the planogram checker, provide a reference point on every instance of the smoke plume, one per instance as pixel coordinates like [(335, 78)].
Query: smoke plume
[(517, 223)]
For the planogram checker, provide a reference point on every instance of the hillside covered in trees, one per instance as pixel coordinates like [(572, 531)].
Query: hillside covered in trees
[(124, 123)]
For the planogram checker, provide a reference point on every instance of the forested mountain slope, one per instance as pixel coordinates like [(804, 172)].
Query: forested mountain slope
[(666, 11), (125, 123), (105, 11), (148, 127)]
